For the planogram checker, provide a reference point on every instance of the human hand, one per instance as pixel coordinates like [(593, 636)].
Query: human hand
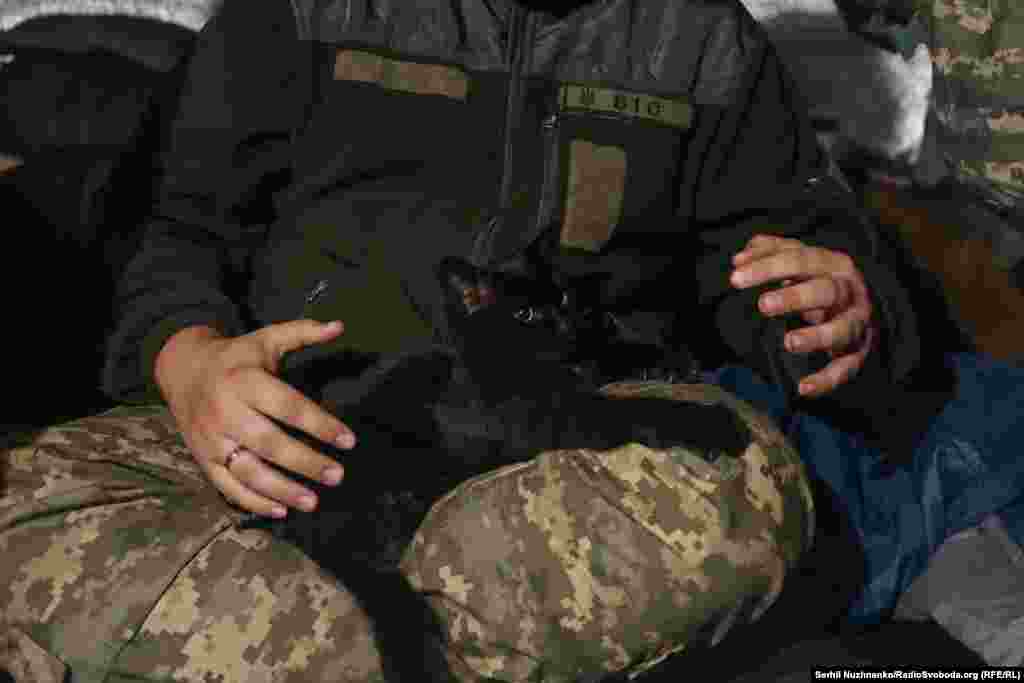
[(223, 392), (828, 289)]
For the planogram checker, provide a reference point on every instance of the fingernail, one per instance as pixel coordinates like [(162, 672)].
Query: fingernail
[(278, 512), (794, 343), (307, 503), (346, 440), (331, 475), (806, 387), (334, 325), (769, 302), (740, 278)]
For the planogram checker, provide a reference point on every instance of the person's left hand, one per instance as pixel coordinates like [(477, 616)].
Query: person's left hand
[(828, 289)]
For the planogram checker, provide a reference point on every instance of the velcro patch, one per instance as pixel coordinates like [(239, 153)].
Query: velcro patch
[(8, 163), (672, 112), (593, 201), (411, 77)]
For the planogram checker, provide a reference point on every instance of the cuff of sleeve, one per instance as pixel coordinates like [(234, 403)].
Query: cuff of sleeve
[(898, 342)]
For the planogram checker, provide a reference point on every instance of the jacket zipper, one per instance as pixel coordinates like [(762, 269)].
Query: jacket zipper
[(544, 209), (516, 52), (518, 36)]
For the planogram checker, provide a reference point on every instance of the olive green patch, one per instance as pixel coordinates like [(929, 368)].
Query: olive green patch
[(537, 584), (593, 199), (504, 570), (136, 537), (729, 467), (671, 112), (599, 560), (394, 74)]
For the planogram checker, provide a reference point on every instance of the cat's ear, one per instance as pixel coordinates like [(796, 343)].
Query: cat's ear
[(464, 286)]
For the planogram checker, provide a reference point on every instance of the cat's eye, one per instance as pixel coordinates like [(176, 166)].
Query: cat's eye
[(526, 315)]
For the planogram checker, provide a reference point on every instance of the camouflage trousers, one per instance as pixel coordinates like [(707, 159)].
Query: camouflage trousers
[(120, 562)]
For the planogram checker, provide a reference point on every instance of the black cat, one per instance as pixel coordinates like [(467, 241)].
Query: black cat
[(530, 354)]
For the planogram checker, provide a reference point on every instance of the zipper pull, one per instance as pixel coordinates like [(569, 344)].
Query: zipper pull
[(315, 293)]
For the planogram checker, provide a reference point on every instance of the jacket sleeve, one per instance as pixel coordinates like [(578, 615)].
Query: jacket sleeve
[(225, 154), (762, 171)]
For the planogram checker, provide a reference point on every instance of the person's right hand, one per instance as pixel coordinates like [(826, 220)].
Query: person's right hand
[(222, 392)]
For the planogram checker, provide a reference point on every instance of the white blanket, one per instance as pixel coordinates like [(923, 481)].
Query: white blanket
[(190, 14), (878, 99)]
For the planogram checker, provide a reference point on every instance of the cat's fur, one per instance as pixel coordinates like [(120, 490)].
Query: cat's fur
[(530, 354)]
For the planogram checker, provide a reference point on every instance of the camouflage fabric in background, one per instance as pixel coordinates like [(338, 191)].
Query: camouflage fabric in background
[(122, 564), (978, 53)]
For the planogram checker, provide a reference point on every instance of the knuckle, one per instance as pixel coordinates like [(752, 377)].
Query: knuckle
[(827, 335), (289, 409), (833, 289), (289, 452), (839, 292), (262, 439)]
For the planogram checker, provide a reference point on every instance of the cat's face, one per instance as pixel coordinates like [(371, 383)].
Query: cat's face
[(514, 310)]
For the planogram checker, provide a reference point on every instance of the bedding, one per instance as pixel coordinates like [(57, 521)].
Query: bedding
[(190, 14), (986, 614)]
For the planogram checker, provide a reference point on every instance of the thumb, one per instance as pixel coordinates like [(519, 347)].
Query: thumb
[(282, 338)]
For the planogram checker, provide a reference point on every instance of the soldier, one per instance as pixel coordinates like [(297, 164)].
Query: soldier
[(323, 158)]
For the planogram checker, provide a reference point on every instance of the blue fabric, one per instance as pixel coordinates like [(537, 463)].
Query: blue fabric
[(967, 465)]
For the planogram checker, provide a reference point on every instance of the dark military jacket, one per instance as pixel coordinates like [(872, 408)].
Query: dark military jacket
[(327, 154)]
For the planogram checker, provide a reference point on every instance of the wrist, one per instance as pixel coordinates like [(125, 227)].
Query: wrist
[(180, 352)]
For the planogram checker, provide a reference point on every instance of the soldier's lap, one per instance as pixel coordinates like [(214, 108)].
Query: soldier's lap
[(121, 562)]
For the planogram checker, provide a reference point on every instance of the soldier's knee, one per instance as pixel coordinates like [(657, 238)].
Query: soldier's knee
[(582, 562)]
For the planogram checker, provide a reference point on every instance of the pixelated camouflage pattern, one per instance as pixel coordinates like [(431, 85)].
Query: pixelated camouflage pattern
[(980, 44), (123, 564), (576, 564), (25, 660)]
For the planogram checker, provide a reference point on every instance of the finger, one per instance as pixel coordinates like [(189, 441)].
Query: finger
[(820, 292), (277, 340), (269, 442), (799, 263), (210, 456), (838, 334), (816, 316), (760, 246), (279, 400), (242, 496), (263, 481), (835, 374)]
